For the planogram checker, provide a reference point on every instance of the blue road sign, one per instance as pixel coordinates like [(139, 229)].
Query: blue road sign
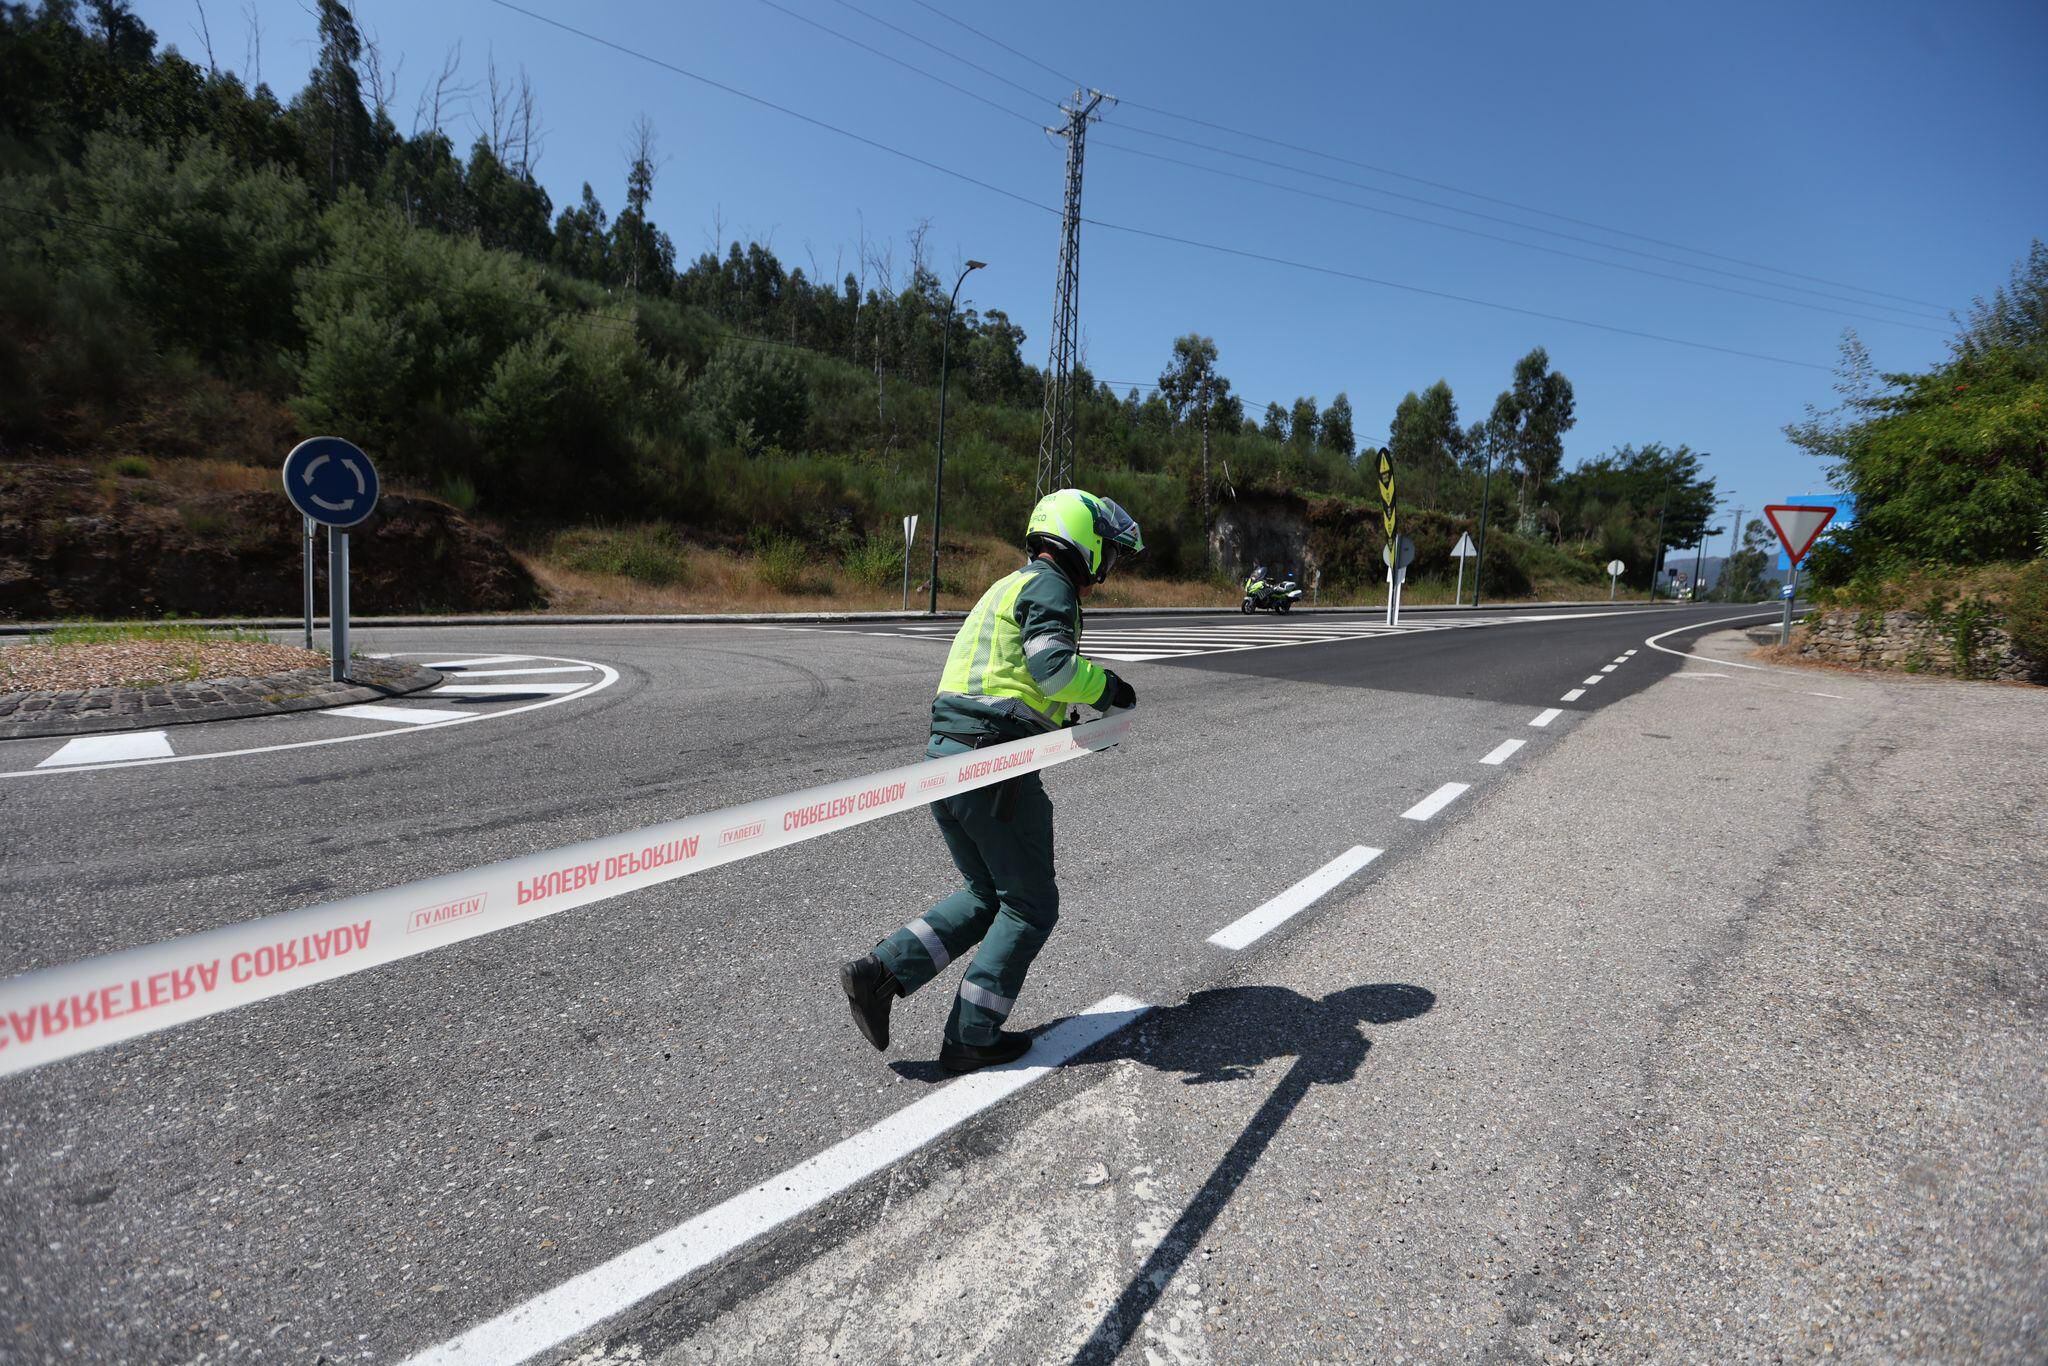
[(331, 481), (1786, 591)]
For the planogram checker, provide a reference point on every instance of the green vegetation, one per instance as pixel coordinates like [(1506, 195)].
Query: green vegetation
[(194, 269), (130, 632)]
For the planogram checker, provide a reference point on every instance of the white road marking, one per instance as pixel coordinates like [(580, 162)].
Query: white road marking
[(631, 1277), (1609, 668), (410, 716), (1574, 695), (1626, 653), (500, 689), (1546, 716), (1700, 673), (1698, 625), (610, 676), (1591, 681), (1837, 696), (472, 663), (521, 673), (1435, 801), (1503, 751), (1247, 929), (1621, 659), (107, 749)]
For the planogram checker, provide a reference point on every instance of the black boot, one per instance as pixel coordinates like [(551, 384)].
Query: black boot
[(971, 1057), (870, 989)]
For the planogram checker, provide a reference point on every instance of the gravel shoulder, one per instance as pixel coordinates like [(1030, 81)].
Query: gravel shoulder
[(1593, 1077)]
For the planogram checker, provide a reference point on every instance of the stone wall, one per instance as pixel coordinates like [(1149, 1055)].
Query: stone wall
[(1962, 643)]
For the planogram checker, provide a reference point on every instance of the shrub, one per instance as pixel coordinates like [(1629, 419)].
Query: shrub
[(756, 398), (875, 563), (652, 555), (2026, 612), (133, 466), (783, 564)]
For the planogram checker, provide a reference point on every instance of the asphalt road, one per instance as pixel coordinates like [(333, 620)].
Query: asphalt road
[(361, 1170)]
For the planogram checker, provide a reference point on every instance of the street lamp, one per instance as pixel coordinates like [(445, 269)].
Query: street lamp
[(939, 472)]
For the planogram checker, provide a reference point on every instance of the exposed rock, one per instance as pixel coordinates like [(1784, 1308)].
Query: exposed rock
[(75, 543)]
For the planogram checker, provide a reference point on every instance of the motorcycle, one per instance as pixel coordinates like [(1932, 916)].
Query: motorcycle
[(1270, 595)]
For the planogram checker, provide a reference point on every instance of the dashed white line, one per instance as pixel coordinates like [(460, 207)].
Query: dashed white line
[(1574, 695), (1591, 681), (1503, 751), (579, 1304), (1249, 928), (1626, 653), (410, 716), (108, 749), (1546, 716), (1609, 668), (1435, 801)]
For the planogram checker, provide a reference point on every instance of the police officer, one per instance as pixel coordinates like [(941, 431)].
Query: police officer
[(1015, 670)]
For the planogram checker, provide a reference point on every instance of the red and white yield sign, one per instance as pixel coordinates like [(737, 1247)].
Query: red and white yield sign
[(1797, 527)]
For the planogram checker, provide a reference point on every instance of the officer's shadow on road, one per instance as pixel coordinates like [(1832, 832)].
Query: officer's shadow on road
[(1221, 1036)]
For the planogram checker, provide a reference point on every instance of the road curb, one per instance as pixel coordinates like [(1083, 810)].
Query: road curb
[(181, 704), (797, 618)]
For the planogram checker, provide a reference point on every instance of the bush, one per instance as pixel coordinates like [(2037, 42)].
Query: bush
[(2026, 612), (652, 555), (874, 563), (133, 466), (783, 564), (756, 397)]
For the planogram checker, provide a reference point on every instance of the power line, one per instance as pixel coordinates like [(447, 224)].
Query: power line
[(907, 66), (1495, 218), (1419, 180), (1515, 242), (897, 28), (1443, 294), (1146, 232)]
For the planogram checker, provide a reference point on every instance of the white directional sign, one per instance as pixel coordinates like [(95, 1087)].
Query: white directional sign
[(909, 540), (1463, 549), (1797, 527), (1615, 567)]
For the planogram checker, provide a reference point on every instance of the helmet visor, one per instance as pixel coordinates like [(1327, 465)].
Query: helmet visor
[(1119, 532)]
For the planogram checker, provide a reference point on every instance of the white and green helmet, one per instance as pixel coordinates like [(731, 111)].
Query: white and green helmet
[(1084, 532)]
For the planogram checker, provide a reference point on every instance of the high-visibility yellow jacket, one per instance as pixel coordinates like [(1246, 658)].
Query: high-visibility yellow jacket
[(1016, 665)]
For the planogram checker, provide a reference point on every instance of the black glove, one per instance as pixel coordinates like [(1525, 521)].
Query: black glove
[(1116, 693)]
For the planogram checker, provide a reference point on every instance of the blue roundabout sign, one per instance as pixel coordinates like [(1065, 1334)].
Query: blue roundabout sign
[(331, 481)]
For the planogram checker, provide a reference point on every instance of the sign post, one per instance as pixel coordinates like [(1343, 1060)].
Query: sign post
[(1462, 552), (909, 536), (1388, 523), (309, 583), (1398, 555), (1614, 568), (1798, 527), (333, 483)]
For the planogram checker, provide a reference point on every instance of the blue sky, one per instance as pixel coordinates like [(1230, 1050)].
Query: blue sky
[(1883, 146)]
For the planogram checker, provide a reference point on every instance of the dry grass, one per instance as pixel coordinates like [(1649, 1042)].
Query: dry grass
[(31, 665)]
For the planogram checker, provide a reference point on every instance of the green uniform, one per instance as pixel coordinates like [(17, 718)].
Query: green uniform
[(1014, 671)]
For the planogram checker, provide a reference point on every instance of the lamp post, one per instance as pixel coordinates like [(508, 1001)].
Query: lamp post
[(939, 471)]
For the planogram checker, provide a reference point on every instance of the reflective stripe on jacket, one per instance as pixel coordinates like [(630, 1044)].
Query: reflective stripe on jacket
[(1016, 664)]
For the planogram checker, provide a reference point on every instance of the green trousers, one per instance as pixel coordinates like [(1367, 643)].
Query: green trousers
[(1004, 912)]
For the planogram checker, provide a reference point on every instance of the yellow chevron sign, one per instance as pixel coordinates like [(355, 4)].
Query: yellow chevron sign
[(1387, 517)]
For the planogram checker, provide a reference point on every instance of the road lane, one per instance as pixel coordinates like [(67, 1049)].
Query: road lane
[(422, 1147)]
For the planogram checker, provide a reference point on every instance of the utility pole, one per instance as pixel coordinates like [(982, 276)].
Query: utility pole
[(1734, 543), (939, 465), (1056, 439), (1657, 569), (1485, 500), (1205, 472)]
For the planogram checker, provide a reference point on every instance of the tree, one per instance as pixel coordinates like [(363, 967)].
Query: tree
[(329, 112), (1426, 440), (1742, 577), (1335, 427), (582, 243), (1619, 499), (641, 254), (1531, 417), (1301, 423), (1275, 425), (1190, 378)]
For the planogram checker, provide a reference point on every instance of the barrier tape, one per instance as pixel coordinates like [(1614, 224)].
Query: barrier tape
[(60, 1012)]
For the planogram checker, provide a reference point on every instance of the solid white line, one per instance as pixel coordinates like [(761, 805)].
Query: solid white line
[(1546, 716), (579, 1304), (1247, 929), (1609, 668), (499, 689), (611, 676), (1837, 696), (1133, 657), (1574, 695), (1591, 681), (521, 673), (410, 716), (104, 749), (1503, 751), (1718, 621), (1435, 801), (472, 663)]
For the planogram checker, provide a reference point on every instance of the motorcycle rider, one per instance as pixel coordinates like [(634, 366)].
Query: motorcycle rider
[(1014, 671)]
